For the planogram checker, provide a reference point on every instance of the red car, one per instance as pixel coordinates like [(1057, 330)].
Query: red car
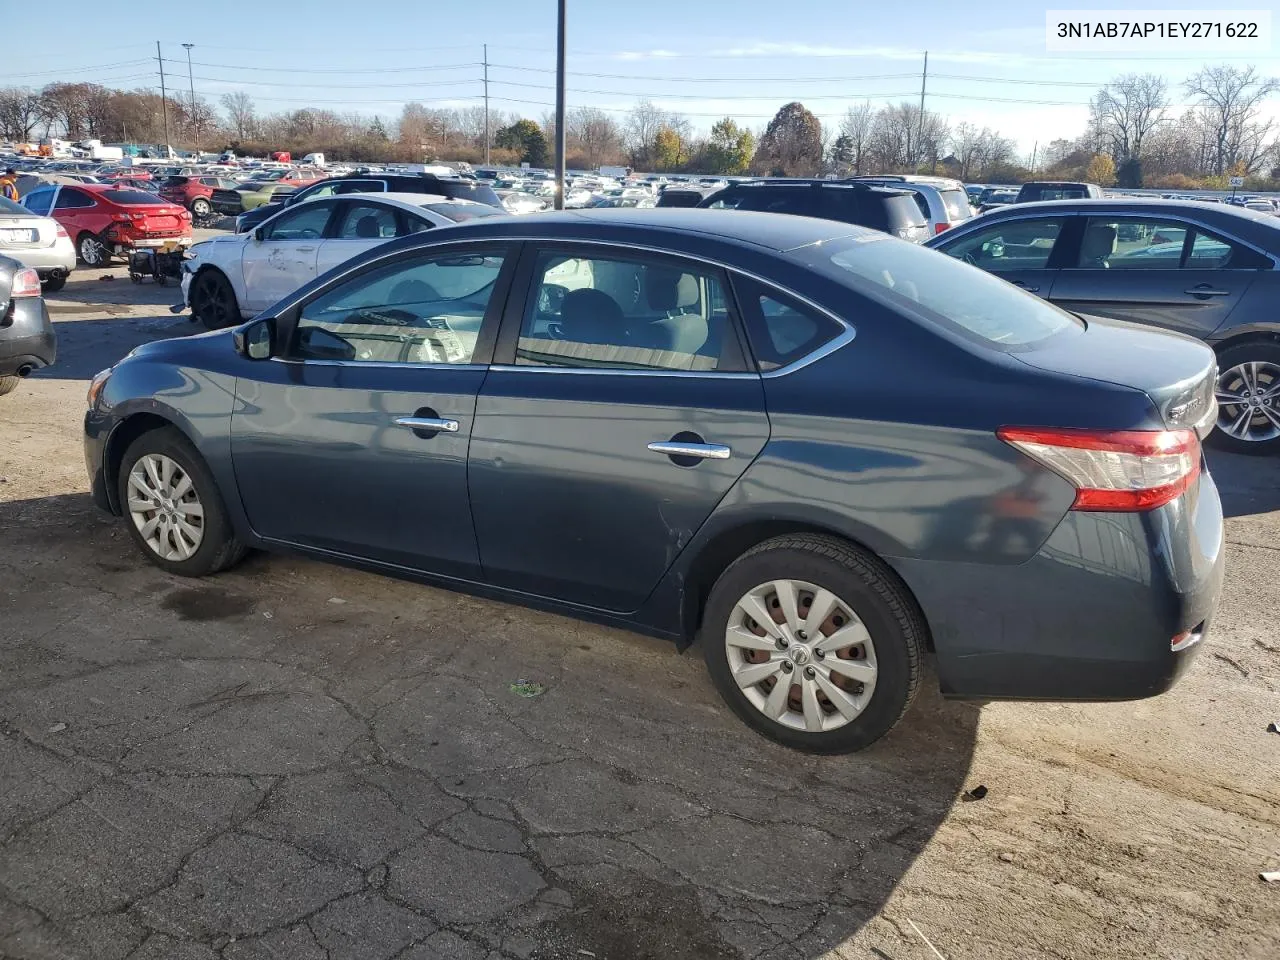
[(105, 220), (194, 192)]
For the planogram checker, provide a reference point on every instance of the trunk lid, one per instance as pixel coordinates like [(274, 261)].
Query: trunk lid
[(27, 232), (1177, 372)]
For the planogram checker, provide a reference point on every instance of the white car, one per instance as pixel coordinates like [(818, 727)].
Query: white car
[(238, 275), (38, 242)]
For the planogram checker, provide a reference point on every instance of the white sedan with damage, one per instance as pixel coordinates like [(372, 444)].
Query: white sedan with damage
[(235, 276)]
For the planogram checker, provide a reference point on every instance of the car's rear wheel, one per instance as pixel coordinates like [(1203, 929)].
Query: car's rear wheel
[(8, 384), (1248, 393), (813, 643), (213, 302), (172, 506), (91, 250), (52, 284), (200, 207)]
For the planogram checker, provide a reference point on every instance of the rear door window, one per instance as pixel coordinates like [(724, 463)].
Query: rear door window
[(71, 199)]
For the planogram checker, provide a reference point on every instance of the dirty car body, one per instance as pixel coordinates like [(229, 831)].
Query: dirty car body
[(620, 409)]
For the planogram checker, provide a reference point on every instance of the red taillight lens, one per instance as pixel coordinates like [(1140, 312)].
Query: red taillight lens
[(939, 227), (62, 232), (26, 283), (1113, 470)]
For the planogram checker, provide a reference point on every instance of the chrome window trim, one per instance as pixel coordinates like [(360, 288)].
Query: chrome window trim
[(824, 350), (383, 364), (626, 371), (975, 222)]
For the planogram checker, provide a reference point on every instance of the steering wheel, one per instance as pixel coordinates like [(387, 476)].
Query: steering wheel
[(971, 259)]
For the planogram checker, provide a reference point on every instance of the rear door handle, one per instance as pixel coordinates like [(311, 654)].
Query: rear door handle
[(306, 249), (703, 451), (1207, 291), (1025, 286)]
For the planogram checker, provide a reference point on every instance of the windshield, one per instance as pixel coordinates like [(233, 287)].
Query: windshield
[(949, 291), (133, 197)]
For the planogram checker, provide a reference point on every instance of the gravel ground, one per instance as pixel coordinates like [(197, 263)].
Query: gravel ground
[(294, 760)]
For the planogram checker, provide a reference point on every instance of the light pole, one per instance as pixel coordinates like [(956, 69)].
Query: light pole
[(195, 120), (560, 139)]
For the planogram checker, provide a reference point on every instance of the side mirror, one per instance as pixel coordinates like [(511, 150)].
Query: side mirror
[(254, 341)]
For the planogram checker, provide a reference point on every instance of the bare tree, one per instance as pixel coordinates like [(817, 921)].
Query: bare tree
[(966, 147), (856, 125), (1126, 110), (241, 113), (21, 111), (642, 126), (594, 134), (1229, 99)]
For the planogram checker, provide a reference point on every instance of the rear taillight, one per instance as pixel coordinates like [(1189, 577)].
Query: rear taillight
[(62, 232), (26, 283), (1114, 469), (939, 227)]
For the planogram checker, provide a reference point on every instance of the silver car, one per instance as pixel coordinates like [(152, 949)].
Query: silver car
[(1209, 270), (943, 201), (37, 242)]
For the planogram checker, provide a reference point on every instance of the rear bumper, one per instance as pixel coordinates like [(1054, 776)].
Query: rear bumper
[(28, 341), (1092, 616), (53, 261)]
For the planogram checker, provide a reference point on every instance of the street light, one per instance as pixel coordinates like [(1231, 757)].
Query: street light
[(560, 138), (195, 121)]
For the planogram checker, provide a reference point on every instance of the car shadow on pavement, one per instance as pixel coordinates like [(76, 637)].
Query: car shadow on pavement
[(294, 760), (1247, 485), (89, 345)]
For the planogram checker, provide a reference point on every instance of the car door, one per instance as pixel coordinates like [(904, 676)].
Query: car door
[(619, 413), (354, 439), (357, 227), (1019, 250), (1160, 271), (281, 255), (78, 212)]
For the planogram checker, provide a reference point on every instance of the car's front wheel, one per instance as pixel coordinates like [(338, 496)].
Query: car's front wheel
[(213, 302), (172, 506), (1248, 393), (813, 643)]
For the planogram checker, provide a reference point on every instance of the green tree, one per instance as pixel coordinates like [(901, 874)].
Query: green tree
[(842, 153), (666, 149), (1101, 170), (376, 130), (792, 143), (527, 139), (730, 148)]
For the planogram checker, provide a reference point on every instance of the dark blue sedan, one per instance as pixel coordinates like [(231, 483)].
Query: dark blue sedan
[(817, 449)]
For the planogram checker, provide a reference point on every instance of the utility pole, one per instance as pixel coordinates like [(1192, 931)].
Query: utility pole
[(164, 101), (1035, 145), (486, 104), (195, 121), (560, 50), (924, 77)]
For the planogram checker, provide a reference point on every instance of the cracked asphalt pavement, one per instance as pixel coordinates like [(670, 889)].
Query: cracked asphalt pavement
[(293, 760)]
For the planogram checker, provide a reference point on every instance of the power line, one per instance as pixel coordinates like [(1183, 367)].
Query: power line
[(310, 70), (98, 66), (341, 86)]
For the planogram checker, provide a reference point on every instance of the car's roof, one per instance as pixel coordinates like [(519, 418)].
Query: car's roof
[(1260, 228), (772, 231), (417, 199)]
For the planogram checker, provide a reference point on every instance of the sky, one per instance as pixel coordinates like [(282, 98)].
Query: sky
[(988, 63)]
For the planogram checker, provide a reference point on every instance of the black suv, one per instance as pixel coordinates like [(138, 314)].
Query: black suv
[(880, 208), (452, 187)]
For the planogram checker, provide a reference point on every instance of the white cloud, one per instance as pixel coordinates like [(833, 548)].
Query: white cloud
[(645, 55)]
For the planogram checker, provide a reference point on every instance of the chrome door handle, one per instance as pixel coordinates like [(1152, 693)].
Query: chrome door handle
[(1207, 292), (306, 249), (704, 451), (428, 423), (1022, 285)]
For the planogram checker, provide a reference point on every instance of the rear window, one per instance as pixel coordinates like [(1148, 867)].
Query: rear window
[(1031, 192), (901, 211), (950, 292), (458, 212), (133, 197), (957, 204), (176, 181)]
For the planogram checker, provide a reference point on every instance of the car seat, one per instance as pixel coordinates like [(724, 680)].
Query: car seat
[(1098, 245)]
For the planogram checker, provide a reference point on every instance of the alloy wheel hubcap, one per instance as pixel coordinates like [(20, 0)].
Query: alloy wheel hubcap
[(165, 507), (1248, 397), (801, 655), (91, 251)]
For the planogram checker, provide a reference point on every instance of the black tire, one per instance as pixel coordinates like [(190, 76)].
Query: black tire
[(200, 207), (213, 301), (8, 384), (863, 582), (1255, 351), (53, 284), (219, 548), (91, 250)]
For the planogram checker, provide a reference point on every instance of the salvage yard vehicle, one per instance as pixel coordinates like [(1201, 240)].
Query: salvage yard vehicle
[(37, 242), (233, 201), (692, 423), (880, 207), (942, 200), (236, 275), (1206, 270), (27, 341), (194, 192), (105, 221)]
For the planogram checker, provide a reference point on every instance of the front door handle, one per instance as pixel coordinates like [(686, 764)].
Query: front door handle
[(306, 249), (1204, 290), (700, 451), (1022, 284), (427, 427)]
